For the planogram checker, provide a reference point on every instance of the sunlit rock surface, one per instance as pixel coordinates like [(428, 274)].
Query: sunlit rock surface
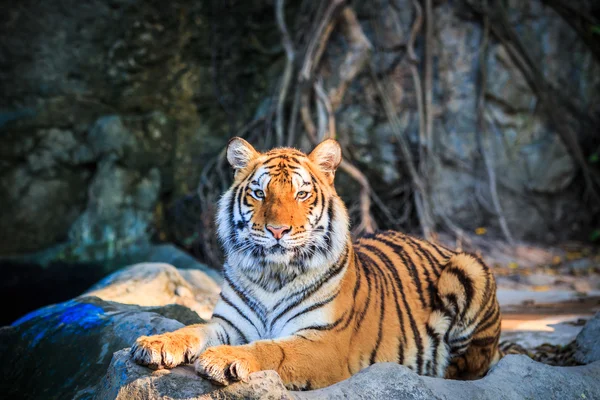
[(158, 284), (62, 351)]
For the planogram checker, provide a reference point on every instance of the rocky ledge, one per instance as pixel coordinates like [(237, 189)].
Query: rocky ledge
[(78, 350), (515, 377)]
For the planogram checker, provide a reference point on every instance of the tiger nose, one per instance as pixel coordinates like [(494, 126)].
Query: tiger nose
[(278, 231)]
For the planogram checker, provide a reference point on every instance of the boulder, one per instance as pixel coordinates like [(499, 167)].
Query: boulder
[(126, 380), (515, 377), (171, 254), (158, 284), (78, 349), (58, 281), (588, 342), (62, 351)]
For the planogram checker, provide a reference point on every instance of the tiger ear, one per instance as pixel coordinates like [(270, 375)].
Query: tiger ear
[(327, 155), (240, 153)]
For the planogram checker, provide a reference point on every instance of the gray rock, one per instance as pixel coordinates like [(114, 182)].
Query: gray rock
[(109, 135), (170, 254), (529, 158), (62, 351), (515, 377), (588, 342), (117, 215), (126, 380), (118, 90), (159, 284)]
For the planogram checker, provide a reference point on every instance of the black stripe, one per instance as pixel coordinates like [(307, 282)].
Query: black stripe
[(256, 307), (411, 267), (418, 341), (357, 286), (230, 208), (328, 231), (314, 307), (242, 192), (488, 293), (431, 286), (381, 316), (228, 337), (230, 303), (456, 340), (424, 254), (303, 337), (454, 301), (435, 266), (437, 247), (367, 260), (467, 284), (460, 349), (326, 327), (491, 317), (239, 332), (363, 313), (433, 336), (482, 342), (307, 292), (322, 197)]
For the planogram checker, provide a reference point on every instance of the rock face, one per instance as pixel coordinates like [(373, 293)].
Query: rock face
[(99, 139), (515, 377), (588, 342), (62, 351), (96, 136), (158, 284)]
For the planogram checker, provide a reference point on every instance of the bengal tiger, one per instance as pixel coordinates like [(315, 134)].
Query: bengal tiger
[(299, 297)]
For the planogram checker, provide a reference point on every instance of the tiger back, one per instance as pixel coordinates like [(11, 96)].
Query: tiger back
[(299, 297)]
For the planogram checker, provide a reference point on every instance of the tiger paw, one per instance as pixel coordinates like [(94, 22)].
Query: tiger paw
[(161, 351), (226, 364)]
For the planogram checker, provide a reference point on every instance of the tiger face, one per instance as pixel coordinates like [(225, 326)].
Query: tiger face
[(282, 210)]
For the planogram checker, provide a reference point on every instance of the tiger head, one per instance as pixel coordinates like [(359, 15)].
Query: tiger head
[(282, 210)]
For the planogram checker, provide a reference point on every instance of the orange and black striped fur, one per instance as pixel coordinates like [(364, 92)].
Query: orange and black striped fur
[(301, 299)]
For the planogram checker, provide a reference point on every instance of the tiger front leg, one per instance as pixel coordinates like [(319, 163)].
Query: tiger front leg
[(302, 362), (171, 349)]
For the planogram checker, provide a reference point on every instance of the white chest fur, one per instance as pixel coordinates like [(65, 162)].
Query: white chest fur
[(261, 314)]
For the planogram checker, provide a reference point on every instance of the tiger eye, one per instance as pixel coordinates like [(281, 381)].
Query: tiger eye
[(259, 193), (302, 195)]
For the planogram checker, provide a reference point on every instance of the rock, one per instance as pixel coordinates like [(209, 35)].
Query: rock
[(158, 284), (588, 342), (126, 380), (582, 266), (536, 279), (516, 138), (62, 351), (39, 274), (66, 351), (515, 377), (170, 254), (120, 91), (118, 213)]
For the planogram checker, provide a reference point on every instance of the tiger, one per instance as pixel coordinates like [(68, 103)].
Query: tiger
[(301, 298)]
